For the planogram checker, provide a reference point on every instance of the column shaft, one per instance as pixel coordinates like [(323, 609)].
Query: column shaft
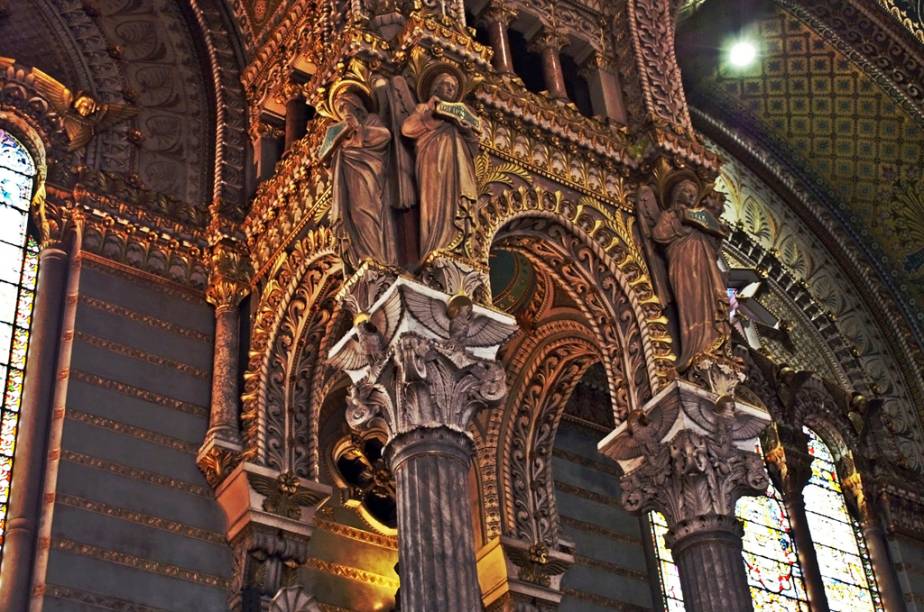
[(31, 443), (503, 59), (886, 579), (551, 71), (808, 560), (711, 569), (296, 120), (436, 549), (223, 419)]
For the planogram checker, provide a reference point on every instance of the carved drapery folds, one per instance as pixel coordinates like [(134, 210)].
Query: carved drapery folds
[(690, 455)]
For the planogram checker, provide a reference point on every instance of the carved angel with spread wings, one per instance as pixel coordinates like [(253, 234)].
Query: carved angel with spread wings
[(457, 321), (645, 432), (373, 334), (727, 424)]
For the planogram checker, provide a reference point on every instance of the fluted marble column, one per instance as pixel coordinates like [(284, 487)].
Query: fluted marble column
[(31, 443), (431, 466), (419, 372), (689, 454), (497, 18), (548, 43), (790, 468)]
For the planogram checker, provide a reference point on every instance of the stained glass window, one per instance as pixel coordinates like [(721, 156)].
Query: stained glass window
[(18, 267), (769, 552), (842, 557)]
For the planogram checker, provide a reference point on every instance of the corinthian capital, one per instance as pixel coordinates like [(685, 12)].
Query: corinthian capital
[(229, 275), (689, 454), (418, 357)]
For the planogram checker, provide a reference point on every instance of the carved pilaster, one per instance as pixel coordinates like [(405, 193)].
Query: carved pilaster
[(422, 363), (690, 454), (270, 520)]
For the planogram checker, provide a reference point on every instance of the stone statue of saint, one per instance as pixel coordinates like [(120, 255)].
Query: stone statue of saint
[(359, 147), (445, 132), (689, 236)]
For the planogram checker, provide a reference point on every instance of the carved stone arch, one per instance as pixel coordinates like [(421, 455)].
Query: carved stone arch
[(291, 331), (554, 363), (815, 407)]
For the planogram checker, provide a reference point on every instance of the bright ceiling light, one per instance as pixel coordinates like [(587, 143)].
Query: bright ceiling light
[(742, 54)]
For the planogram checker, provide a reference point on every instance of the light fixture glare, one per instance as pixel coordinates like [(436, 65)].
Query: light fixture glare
[(742, 54)]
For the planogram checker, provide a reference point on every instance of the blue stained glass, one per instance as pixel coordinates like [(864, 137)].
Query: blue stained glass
[(18, 268)]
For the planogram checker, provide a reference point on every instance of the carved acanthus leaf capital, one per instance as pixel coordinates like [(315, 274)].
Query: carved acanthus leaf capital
[(689, 454), (419, 357), (229, 275)]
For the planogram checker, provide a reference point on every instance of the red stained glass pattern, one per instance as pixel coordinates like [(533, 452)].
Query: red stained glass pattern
[(18, 269)]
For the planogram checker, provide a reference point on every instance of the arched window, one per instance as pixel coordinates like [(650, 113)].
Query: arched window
[(18, 268), (842, 557)]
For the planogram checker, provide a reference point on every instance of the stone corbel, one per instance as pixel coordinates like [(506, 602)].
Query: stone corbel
[(270, 518), (515, 574)]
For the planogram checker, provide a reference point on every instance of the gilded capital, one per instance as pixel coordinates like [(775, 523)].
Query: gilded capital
[(229, 276)]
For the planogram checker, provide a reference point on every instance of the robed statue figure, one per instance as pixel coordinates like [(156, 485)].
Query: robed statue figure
[(445, 132), (689, 236), (360, 211)]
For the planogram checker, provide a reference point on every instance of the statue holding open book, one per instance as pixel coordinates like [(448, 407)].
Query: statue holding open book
[(681, 236)]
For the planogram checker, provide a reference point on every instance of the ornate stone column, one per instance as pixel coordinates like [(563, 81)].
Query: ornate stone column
[(422, 362), (267, 147), (31, 443), (549, 43), (605, 89), (790, 468), (227, 287), (863, 503), (296, 119), (690, 454), (497, 18)]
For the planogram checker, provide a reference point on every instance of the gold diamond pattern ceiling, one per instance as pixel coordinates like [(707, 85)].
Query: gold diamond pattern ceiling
[(861, 145)]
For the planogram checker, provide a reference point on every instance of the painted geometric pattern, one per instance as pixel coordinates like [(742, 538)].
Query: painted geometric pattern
[(18, 268), (845, 129)]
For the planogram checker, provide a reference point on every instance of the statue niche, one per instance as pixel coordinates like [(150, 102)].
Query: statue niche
[(445, 132), (358, 145), (681, 237)]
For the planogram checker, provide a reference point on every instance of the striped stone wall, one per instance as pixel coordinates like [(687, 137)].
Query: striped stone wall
[(129, 522), (611, 568), (908, 556)]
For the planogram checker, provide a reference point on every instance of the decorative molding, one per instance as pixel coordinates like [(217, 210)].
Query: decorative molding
[(600, 600), (140, 518), (360, 535), (351, 573), (599, 530), (94, 600), (146, 319), (600, 498), (611, 568), (133, 473), (135, 353), (138, 433), (139, 563), (593, 464), (145, 279), (139, 393)]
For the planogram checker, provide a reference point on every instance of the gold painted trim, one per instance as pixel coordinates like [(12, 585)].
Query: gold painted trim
[(138, 393), (139, 563), (105, 265), (599, 530), (351, 573), (570, 418), (583, 461), (600, 600), (135, 353), (94, 600), (135, 473), (610, 568), (140, 518), (375, 539), (149, 320), (600, 498), (130, 430)]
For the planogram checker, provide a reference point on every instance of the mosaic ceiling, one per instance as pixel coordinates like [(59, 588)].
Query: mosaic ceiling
[(821, 111)]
